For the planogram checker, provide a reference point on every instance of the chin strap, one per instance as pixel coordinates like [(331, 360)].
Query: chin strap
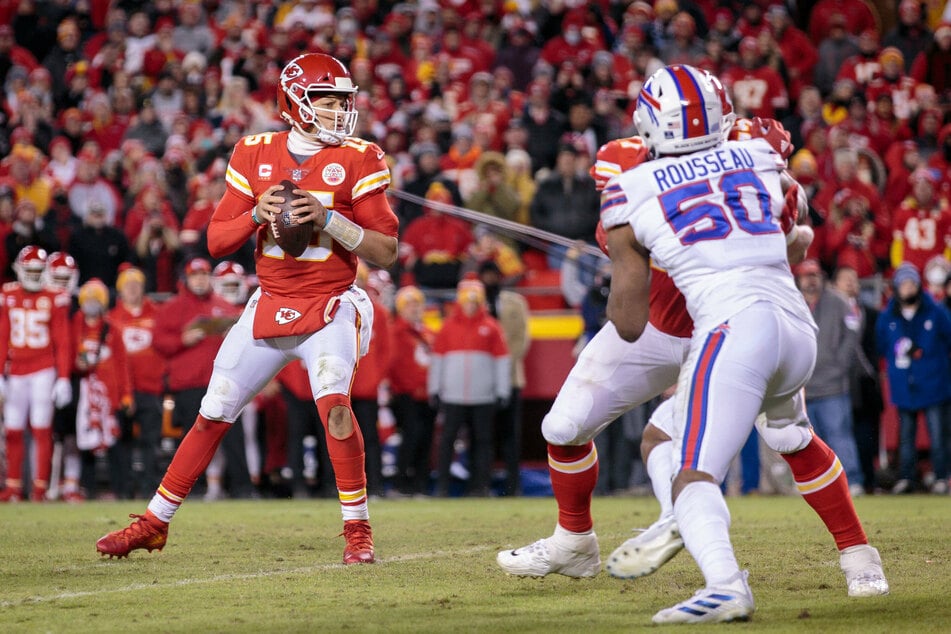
[(301, 144)]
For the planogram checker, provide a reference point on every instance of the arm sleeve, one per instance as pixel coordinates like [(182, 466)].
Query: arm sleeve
[(231, 224), (63, 339)]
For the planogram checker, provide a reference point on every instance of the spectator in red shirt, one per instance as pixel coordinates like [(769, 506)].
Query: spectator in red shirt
[(435, 245), (901, 159), (910, 35), (854, 15), (797, 50), (569, 45), (152, 229), (758, 90), (864, 66), (932, 64), (847, 237), (894, 81), (133, 319), (922, 226)]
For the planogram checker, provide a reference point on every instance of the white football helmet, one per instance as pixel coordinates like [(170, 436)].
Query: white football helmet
[(62, 272), (30, 268), (230, 282), (680, 109), (303, 81)]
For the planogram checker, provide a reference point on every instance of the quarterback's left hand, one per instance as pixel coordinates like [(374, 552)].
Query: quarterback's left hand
[(62, 393), (309, 209)]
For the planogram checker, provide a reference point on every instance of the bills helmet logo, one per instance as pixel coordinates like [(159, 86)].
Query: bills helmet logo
[(284, 316)]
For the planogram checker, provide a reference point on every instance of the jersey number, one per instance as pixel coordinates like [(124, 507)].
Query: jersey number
[(709, 219), (29, 328)]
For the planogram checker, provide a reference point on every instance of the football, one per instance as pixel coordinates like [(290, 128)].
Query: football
[(291, 236)]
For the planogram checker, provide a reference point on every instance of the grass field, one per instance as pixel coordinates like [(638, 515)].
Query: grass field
[(273, 566)]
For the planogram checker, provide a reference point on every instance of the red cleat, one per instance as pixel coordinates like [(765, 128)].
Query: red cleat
[(11, 494), (74, 497), (359, 538), (147, 531)]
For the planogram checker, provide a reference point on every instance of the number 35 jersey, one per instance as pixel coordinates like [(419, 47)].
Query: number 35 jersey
[(711, 220)]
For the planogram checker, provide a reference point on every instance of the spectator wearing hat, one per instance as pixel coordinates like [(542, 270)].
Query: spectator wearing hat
[(848, 237), (895, 82), (458, 163), (934, 274), (64, 55), (511, 311), (910, 34), (852, 16), (758, 89), (434, 247), (828, 397), (91, 188), (494, 195), (566, 202), (411, 347), (469, 378), (931, 64), (133, 319), (29, 183), (98, 247), (845, 175), (104, 402), (834, 47), (922, 222), (913, 335)]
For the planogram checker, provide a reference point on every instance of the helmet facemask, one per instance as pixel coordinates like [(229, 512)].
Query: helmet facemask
[(344, 120)]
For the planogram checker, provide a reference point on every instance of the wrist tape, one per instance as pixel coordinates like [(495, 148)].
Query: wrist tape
[(348, 233)]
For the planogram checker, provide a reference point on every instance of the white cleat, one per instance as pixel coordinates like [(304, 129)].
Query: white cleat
[(644, 554), (732, 601), (563, 553), (862, 566)]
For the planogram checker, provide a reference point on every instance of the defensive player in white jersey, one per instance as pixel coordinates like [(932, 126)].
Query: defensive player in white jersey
[(707, 210), (307, 307), (611, 376)]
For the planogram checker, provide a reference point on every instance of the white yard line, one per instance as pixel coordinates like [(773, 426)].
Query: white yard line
[(135, 587)]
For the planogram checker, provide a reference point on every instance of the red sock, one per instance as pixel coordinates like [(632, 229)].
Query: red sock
[(192, 458), (346, 454), (14, 440), (43, 439), (574, 472), (822, 483)]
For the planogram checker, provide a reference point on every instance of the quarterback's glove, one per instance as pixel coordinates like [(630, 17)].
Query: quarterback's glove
[(62, 393)]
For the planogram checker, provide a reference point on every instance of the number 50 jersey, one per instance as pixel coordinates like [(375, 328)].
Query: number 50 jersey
[(711, 220)]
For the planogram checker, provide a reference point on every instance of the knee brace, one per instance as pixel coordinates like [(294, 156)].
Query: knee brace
[(222, 401), (784, 436)]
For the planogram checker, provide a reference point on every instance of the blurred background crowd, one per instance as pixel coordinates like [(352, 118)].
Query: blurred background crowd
[(117, 119)]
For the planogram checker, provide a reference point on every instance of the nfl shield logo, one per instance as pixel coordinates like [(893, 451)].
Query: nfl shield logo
[(297, 174)]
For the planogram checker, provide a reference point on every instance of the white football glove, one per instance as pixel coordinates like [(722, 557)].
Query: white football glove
[(62, 393)]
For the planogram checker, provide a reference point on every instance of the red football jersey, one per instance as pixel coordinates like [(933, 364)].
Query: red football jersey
[(668, 309), (34, 330), (349, 179), (146, 365), (924, 233), (757, 92)]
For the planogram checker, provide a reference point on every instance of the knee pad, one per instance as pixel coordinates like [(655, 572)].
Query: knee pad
[(784, 436), (222, 401), (332, 375), (559, 429)]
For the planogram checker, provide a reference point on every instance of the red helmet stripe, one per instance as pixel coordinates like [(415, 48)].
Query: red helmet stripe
[(694, 113)]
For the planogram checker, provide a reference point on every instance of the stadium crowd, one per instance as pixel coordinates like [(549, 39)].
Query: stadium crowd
[(118, 119)]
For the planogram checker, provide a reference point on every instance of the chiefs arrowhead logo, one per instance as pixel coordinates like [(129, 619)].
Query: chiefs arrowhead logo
[(284, 316)]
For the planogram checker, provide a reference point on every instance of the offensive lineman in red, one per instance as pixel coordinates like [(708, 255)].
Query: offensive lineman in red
[(612, 376), (307, 307), (34, 340)]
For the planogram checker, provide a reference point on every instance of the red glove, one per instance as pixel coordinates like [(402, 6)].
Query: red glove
[(601, 237), (790, 214), (775, 134)]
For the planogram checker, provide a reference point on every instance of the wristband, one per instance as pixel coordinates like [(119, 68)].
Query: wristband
[(792, 235), (254, 216), (348, 233)]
